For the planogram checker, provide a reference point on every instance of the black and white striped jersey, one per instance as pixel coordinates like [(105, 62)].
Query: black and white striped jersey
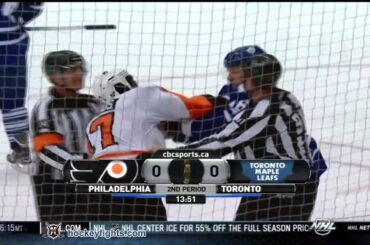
[(272, 129), (58, 126)]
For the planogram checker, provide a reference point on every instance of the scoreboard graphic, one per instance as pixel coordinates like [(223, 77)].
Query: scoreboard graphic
[(186, 180)]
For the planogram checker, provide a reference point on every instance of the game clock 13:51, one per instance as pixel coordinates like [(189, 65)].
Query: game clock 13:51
[(186, 199)]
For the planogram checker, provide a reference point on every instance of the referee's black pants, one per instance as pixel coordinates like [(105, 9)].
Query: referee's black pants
[(275, 208), (56, 202)]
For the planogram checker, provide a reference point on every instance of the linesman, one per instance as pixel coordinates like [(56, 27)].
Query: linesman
[(272, 127), (58, 127)]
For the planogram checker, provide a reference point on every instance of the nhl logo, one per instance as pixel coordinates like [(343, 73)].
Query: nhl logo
[(322, 227)]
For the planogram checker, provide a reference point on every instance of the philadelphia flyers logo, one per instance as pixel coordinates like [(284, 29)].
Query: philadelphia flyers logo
[(101, 171), (118, 171)]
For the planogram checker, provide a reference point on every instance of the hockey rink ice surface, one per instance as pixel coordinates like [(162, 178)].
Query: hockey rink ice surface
[(343, 195), (327, 67)]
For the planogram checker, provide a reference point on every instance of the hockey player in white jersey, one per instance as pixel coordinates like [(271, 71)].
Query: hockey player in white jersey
[(129, 126)]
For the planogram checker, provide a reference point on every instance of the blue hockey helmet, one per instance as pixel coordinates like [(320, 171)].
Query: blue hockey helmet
[(241, 55)]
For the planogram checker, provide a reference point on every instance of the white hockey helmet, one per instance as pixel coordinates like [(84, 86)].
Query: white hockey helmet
[(110, 85)]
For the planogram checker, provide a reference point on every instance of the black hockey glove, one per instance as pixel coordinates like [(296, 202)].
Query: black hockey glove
[(173, 130), (217, 101)]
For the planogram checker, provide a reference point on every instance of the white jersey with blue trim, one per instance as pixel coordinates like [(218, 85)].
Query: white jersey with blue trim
[(13, 17)]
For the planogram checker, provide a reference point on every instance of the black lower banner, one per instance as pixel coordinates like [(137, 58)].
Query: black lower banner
[(322, 230)]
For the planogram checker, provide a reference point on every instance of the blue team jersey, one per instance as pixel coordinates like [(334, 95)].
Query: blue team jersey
[(318, 166), (13, 17), (219, 118)]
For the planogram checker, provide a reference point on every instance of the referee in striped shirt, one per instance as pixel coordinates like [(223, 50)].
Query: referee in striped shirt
[(58, 127), (273, 127)]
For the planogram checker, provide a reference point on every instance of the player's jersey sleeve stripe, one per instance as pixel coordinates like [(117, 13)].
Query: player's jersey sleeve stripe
[(42, 140), (197, 106)]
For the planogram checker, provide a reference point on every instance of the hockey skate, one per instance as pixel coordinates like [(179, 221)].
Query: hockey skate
[(20, 158)]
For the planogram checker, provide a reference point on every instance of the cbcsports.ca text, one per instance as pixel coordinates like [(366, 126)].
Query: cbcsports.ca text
[(185, 154)]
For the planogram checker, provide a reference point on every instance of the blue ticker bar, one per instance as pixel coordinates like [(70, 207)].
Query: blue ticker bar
[(124, 195), (163, 196), (234, 195)]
